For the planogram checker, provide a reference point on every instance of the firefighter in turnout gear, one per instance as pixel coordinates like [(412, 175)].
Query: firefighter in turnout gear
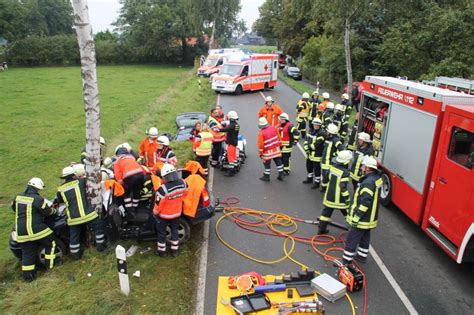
[(79, 212), (289, 137), (168, 209), (313, 147), (131, 175), (322, 106), (352, 141), (332, 146), (347, 105), (202, 147), (148, 148), (363, 213), (269, 149), (314, 113), (328, 114), (340, 121), (218, 137), (164, 153), (232, 130), (303, 109), (337, 194), (271, 111), (31, 211), (84, 154), (364, 148)]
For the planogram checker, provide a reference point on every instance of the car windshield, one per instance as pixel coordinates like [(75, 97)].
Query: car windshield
[(231, 70), (211, 61)]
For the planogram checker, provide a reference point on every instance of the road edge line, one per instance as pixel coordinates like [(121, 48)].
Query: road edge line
[(202, 271), (395, 286)]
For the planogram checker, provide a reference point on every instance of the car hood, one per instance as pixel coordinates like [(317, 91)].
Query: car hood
[(293, 69)]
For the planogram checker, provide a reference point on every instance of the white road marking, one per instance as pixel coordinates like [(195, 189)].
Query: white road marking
[(398, 290), (202, 272)]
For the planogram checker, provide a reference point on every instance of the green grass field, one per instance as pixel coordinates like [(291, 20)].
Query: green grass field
[(41, 131)]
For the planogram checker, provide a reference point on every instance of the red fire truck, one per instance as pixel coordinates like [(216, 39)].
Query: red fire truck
[(423, 138)]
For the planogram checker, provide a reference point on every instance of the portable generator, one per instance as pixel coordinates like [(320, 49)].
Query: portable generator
[(351, 276)]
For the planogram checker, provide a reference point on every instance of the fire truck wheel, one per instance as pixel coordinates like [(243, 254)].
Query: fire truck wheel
[(238, 90), (386, 191)]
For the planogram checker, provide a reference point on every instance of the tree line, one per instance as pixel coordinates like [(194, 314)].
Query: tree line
[(39, 32), (419, 39)]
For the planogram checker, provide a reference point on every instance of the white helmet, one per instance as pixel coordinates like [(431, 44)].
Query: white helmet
[(268, 99), (284, 116), (317, 121), (153, 132), (326, 95), (127, 146), (67, 171), (262, 122), (305, 95), (102, 141), (316, 93), (107, 162), (167, 169), (344, 157), (36, 182), (339, 107), (79, 169), (345, 96), (163, 140), (332, 129), (233, 115), (330, 105), (370, 162), (120, 146), (364, 137)]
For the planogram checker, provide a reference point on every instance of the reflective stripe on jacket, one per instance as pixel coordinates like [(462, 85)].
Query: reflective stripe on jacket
[(364, 209), (302, 110), (126, 166), (288, 135), (148, 151), (271, 114), (214, 123), (337, 195), (269, 143), (332, 146), (169, 199), (73, 194), (203, 143), (314, 145), (356, 171)]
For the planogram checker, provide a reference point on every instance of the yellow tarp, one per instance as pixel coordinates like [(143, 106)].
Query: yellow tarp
[(275, 297)]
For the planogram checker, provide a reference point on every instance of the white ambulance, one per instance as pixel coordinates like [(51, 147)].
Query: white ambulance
[(246, 72)]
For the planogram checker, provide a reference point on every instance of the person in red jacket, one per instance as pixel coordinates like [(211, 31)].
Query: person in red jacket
[(148, 148), (168, 208), (271, 111), (269, 149), (130, 174)]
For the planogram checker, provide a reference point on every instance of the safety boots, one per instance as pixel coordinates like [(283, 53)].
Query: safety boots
[(265, 177), (280, 176), (308, 180), (315, 185)]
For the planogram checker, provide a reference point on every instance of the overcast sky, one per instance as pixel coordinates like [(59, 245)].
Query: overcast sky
[(103, 12)]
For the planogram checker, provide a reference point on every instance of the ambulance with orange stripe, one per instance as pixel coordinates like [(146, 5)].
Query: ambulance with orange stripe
[(246, 72), (214, 61)]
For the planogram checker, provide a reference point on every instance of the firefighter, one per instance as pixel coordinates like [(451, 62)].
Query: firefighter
[(79, 212), (347, 105), (352, 142), (364, 148), (269, 149), (106, 170), (31, 211), (218, 137), (328, 115), (332, 146), (232, 140), (313, 147), (303, 109), (314, 101), (148, 148), (130, 174), (363, 213), (337, 194), (164, 154), (339, 119), (202, 147), (84, 154), (289, 136), (271, 111), (168, 208), (322, 106)]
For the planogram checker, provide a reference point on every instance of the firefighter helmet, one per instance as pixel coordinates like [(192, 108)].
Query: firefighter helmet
[(262, 122), (364, 137), (268, 99), (67, 171), (305, 95), (36, 182), (107, 162), (167, 169), (345, 96), (316, 92), (339, 107), (153, 132), (326, 95), (330, 105), (317, 121), (344, 157), (284, 116), (79, 169), (332, 129), (164, 140), (233, 115), (370, 162)]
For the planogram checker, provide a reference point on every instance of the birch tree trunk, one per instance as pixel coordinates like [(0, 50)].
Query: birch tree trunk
[(347, 49), (90, 91), (213, 34)]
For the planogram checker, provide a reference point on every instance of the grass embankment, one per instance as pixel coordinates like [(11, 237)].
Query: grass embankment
[(301, 87), (41, 131)]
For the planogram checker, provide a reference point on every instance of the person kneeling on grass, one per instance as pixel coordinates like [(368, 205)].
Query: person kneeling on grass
[(168, 208)]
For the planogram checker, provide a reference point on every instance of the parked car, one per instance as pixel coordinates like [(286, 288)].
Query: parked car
[(185, 123), (293, 72)]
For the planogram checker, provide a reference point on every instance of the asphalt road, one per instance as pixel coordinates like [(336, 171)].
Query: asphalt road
[(432, 282)]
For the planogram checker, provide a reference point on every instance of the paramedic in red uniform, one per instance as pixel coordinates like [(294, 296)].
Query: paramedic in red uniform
[(269, 149), (232, 130)]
